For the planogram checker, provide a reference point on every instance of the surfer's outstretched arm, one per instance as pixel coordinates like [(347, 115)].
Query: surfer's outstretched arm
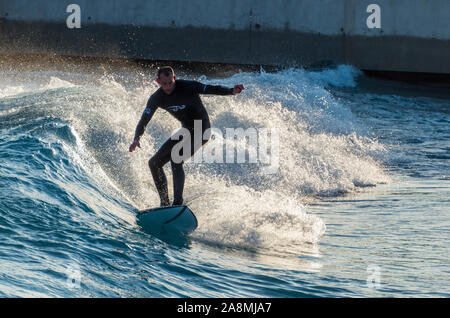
[(216, 89), (145, 119)]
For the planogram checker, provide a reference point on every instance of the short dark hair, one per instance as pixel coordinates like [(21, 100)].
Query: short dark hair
[(166, 70)]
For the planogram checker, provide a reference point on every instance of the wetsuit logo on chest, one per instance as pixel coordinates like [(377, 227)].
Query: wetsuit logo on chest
[(176, 108)]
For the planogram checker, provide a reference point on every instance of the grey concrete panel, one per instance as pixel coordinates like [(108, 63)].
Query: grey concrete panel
[(414, 36)]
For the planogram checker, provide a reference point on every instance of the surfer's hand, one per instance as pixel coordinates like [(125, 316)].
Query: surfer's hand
[(134, 145), (237, 89)]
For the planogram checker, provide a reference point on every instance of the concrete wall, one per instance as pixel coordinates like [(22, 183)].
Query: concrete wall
[(414, 34)]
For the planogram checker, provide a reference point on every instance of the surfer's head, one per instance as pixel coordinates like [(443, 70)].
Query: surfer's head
[(166, 79)]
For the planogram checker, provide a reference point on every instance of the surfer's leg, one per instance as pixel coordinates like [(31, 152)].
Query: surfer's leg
[(156, 164), (178, 172), (178, 182), (178, 175)]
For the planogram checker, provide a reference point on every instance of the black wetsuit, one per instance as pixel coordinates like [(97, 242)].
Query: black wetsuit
[(184, 104)]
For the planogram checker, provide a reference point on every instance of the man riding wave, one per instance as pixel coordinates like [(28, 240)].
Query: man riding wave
[(181, 98)]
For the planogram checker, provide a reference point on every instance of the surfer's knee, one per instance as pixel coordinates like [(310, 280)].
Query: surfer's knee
[(176, 166), (153, 163)]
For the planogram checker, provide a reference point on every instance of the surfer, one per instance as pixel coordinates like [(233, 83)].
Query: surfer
[(181, 99)]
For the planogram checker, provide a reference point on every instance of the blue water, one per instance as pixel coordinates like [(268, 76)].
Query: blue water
[(359, 206)]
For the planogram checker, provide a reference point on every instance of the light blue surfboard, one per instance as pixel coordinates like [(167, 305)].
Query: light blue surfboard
[(177, 219)]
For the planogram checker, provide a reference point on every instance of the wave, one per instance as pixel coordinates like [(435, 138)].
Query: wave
[(78, 136)]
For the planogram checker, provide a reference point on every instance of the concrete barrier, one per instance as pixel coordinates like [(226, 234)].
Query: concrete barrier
[(414, 35)]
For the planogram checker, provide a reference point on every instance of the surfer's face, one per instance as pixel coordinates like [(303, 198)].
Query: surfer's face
[(167, 83)]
